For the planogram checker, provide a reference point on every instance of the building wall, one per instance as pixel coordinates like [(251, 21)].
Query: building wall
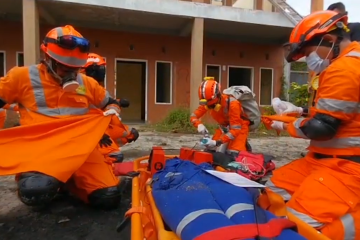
[(246, 4), (150, 47)]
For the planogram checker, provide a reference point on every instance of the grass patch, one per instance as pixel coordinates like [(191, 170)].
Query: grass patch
[(178, 121)]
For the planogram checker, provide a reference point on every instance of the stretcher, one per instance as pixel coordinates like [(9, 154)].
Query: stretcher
[(145, 218)]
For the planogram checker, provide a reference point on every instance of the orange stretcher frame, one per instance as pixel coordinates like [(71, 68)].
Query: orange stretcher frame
[(147, 223)]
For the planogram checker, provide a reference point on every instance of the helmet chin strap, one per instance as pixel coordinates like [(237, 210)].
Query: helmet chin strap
[(50, 67)]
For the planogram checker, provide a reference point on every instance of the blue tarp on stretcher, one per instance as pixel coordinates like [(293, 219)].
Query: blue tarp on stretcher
[(193, 202)]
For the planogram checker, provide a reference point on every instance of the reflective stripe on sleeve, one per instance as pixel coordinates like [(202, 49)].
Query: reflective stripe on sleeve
[(334, 105)]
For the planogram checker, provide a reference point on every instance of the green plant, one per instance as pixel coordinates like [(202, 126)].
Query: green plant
[(299, 94), (178, 120), (268, 110)]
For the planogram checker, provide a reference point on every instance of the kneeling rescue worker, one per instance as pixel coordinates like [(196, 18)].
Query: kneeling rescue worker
[(55, 89), (323, 188), (227, 112), (95, 67)]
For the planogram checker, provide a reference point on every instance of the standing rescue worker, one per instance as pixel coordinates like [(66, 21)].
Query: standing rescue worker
[(227, 112), (55, 89), (323, 188), (95, 67)]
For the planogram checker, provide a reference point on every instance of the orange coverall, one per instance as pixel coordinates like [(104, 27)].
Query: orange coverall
[(325, 191), (43, 100), (229, 115)]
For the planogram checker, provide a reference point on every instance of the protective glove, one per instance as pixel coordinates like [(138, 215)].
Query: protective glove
[(124, 103), (105, 141), (134, 135), (202, 129), (110, 112), (210, 143), (292, 109), (279, 126)]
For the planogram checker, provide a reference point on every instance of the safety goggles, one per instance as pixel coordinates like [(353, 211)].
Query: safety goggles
[(70, 42), (97, 72)]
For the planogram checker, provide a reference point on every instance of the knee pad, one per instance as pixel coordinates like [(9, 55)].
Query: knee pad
[(36, 189), (106, 198)]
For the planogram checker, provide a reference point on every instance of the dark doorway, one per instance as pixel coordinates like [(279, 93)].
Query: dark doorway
[(131, 84), (240, 76), (213, 71)]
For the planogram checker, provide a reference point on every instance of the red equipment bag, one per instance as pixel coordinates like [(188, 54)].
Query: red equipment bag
[(253, 165)]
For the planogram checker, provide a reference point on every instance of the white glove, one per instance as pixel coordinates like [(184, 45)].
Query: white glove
[(202, 129), (291, 108), (276, 125), (110, 112), (208, 142)]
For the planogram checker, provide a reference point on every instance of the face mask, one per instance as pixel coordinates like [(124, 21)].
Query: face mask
[(69, 82), (316, 63)]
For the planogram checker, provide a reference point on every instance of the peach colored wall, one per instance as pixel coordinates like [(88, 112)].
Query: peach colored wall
[(149, 47)]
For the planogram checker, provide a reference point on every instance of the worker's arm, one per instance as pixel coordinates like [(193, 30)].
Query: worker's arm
[(337, 102), (235, 121), (10, 89), (196, 115)]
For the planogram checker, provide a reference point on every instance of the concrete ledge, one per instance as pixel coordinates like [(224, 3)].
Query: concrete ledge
[(191, 9)]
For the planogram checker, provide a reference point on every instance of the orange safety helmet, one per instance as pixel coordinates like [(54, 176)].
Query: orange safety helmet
[(95, 67), (309, 28), (210, 93), (95, 59), (66, 46)]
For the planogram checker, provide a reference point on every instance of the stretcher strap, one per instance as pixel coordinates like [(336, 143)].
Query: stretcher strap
[(271, 229), (147, 223)]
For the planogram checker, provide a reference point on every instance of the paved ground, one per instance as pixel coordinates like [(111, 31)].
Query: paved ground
[(73, 221)]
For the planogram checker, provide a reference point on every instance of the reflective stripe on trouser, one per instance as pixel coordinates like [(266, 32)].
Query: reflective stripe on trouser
[(231, 211), (347, 223), (40, 99)]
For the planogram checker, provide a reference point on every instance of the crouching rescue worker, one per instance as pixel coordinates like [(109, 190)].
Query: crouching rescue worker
[(227, 112), (323, 188), (117, 133), (55, 89)]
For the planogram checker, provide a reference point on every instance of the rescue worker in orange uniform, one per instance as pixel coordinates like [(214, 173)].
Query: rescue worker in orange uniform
[(95, 67), (323, 188), (55, 89), (227, 112)]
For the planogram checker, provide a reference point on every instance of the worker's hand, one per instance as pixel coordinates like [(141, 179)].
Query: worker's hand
[(134, 135), (291, 109), (110, 112), (124, 103), (210, 143), (276, 125), (202, 129), (105, 141)]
